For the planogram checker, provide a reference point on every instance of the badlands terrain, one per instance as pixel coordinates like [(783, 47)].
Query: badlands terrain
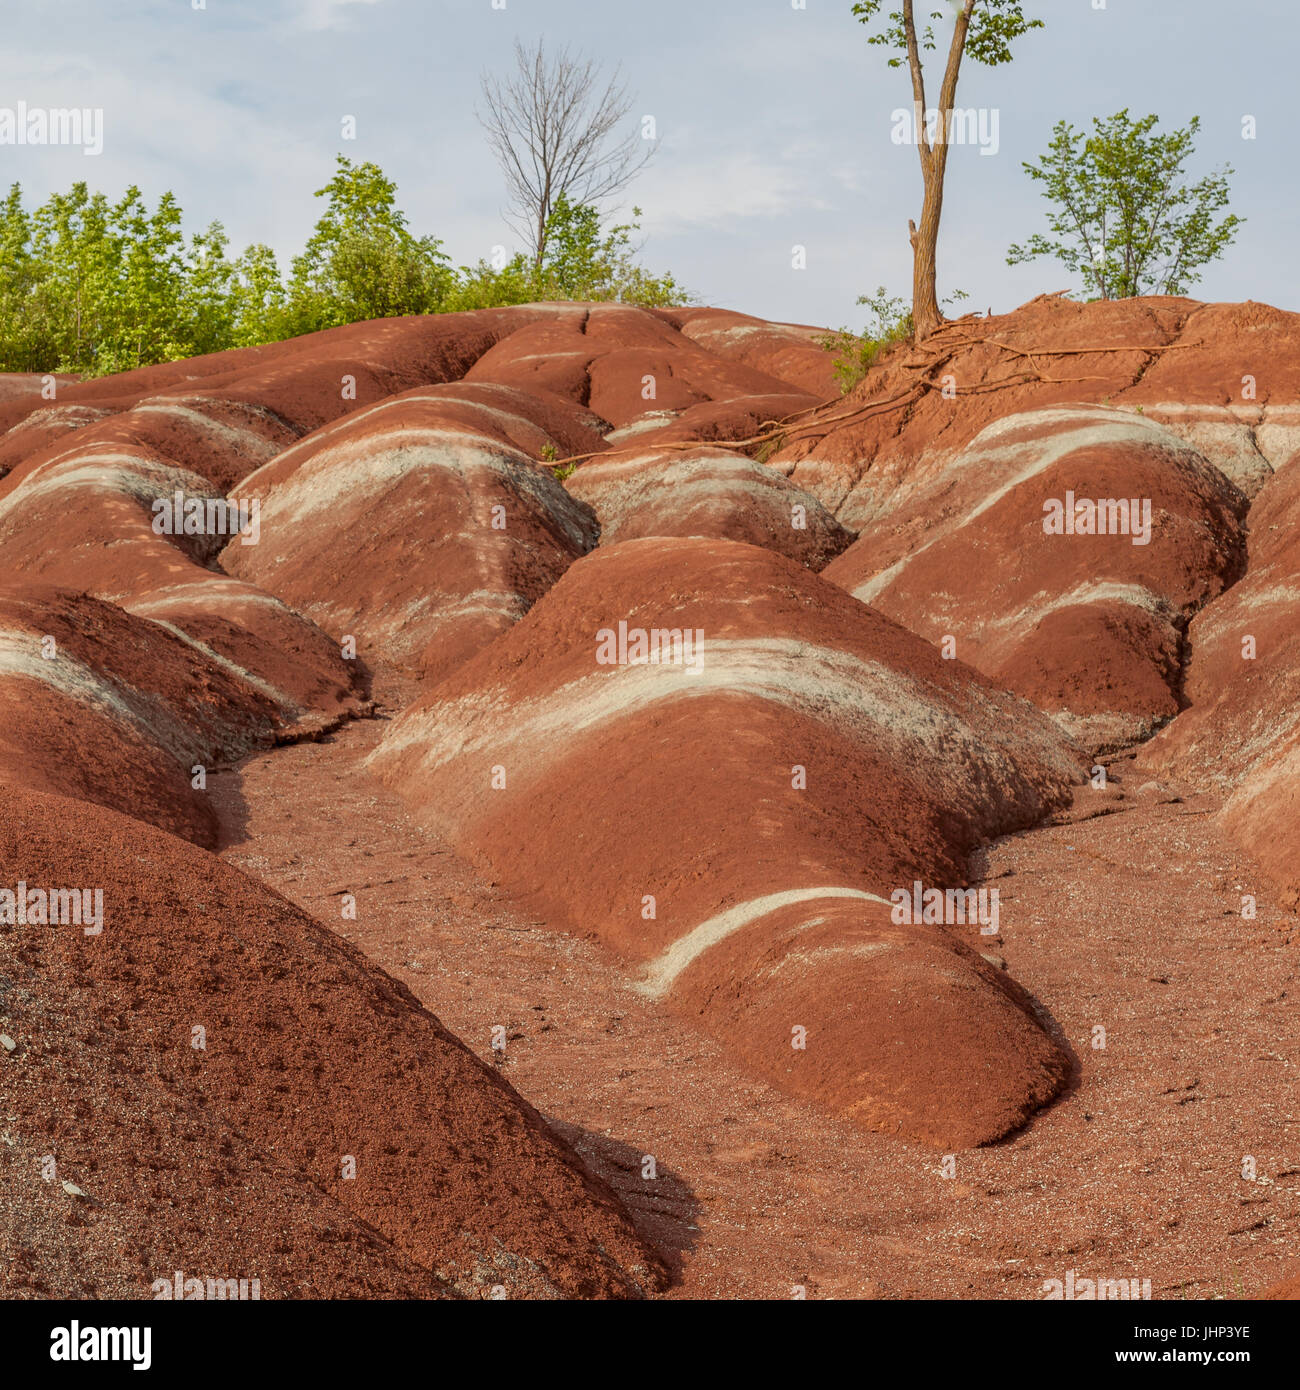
[(496, 862)]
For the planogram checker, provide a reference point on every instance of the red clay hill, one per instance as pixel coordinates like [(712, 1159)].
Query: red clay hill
[(1063, 551), (725, 680), (730, 806), (227, 1088)]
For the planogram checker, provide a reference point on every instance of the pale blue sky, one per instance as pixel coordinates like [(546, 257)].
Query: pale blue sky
[(775, 126)]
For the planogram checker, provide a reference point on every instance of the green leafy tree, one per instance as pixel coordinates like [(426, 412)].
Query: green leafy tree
[(362, 262), (79, 258), (108, 287), (206, 312), (136, 312), (23, 334), (582, 261), (1126, 216), (984, 29), (92, 287), (259, 300), (577, 259), (585, 263), (485, 286)]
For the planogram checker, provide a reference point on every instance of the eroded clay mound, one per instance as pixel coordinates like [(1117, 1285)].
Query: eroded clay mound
[(804, 984), (740, 418), (224, 414), (220, 440), (621, 362), (23, 393), (38, 432), (419, 526), (1063, 551), (1224, 377), (790, 352), (206, 1068), (306, 382), (801, 749), (104, 518), (707, 492), (263, 642), (537, 423), (99, 502), (1242, 732), (99, 704)]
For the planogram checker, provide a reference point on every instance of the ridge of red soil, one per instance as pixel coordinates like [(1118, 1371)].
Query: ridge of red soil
[(1135, 1172), (676, 925), (749, 878), (202, 1071)]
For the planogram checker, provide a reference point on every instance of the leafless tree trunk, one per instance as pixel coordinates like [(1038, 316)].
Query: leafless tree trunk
[(926, 315), (554, 131)]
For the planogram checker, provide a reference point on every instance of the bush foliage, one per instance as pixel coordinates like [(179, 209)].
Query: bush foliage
[(91, 286)]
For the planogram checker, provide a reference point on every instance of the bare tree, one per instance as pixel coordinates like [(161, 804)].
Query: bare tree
[(554, 131)]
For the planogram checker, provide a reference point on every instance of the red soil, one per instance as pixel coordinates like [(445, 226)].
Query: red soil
[(78, 675), (907, 762), (1135, 1172), (1087, 626), (227, 1159), (706, 492), (1242, 732), (1183, 362), (713, 853), (790, 352), (35, 433), (419, 523), (621, 362), (99, 500)]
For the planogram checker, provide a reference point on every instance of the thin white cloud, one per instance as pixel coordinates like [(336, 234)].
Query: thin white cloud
[(219, 147), (317, 15), (681, 192)]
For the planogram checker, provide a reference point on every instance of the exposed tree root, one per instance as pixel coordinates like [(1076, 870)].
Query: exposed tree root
[(772, 429)]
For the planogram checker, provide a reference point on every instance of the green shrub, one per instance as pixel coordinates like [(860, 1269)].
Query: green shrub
[(891, 324), (857, 353), (94, 287)]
